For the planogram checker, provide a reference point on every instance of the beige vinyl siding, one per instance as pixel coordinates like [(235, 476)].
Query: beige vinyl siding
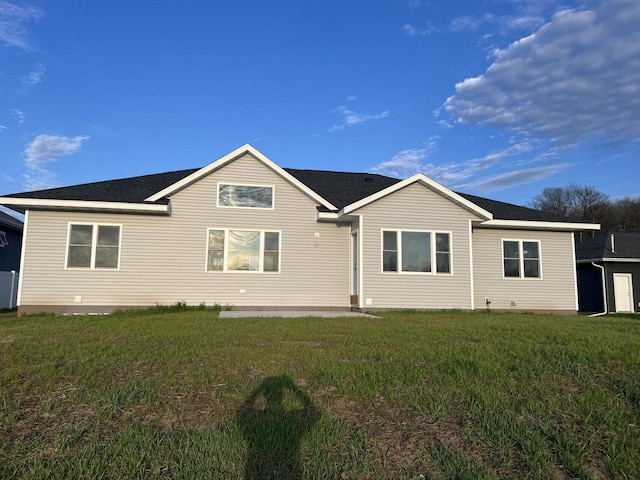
[(415, 207), (554, 291), (163, 259)]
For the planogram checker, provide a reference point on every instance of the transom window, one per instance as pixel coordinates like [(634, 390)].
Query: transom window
[(245, 196), (416, 251), (93, 246), (521, 258), (243, 251)]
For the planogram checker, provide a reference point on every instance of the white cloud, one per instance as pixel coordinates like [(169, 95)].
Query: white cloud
[(575, 79), (413, 31), (13, 21), (38, 178), (351, 118), (512, 179), (46, 148), (2, 128), (407, 162), (35, 77), (18, 115)]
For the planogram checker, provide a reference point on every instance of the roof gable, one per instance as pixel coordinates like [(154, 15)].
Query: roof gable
[(427, 182), (230, 157)]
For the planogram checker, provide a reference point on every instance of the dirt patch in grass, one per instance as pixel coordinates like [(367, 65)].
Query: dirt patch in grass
[(401, 436)]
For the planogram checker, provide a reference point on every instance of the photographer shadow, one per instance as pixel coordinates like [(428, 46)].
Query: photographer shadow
[(273, 421)]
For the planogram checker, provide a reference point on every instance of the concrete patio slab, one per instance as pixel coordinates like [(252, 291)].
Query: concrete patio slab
[(291, 314)]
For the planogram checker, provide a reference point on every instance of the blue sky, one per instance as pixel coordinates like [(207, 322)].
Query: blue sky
[(498, 98)]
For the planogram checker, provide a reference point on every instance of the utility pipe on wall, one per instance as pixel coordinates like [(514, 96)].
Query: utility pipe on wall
[(604, 291)]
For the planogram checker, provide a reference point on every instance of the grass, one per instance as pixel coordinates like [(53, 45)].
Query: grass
[(180, 393)]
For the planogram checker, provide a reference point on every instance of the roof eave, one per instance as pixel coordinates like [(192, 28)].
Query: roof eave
[(539, 225), (85, 206), (607, 259)]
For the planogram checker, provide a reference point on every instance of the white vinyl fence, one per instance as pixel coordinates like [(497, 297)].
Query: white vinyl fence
[(8, 289)]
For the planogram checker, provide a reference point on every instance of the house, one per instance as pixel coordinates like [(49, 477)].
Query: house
[(10, 249), (248, 233), (609, 273)]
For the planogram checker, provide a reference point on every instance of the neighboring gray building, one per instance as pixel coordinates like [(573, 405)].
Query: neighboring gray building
[(247, 233), (10, 249), (609, 273)]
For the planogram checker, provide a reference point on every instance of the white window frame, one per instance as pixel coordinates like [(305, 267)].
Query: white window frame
[(433, 252), (3, 239), (235, 184), (225, 263), (521, 258), (94, 246)]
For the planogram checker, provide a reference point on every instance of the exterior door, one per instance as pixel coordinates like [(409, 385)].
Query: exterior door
[(623, 292)]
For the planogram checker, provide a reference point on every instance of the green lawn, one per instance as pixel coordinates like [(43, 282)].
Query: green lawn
[(180, 393)]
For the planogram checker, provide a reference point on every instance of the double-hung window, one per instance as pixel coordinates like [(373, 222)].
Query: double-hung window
[(235, 250), (521, 258), (93, 246), (416, 251), (245, 196)]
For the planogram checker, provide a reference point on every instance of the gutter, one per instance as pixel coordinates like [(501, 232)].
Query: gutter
[(604, 292)]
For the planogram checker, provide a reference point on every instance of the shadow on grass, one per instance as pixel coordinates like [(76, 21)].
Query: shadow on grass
[(273, 421)]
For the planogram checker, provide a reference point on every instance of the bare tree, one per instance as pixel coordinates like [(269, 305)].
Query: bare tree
[(580, 202)]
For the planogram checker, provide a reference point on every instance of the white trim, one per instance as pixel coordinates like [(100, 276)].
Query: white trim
[(426, 181), (94, 246), (49, 204), (432, 252), (471, 281), (575, 269), (22, 257), (236, 184), (225, 260), (613, 260), (361, 260), (229, 157), (525, 224), (521, 258)]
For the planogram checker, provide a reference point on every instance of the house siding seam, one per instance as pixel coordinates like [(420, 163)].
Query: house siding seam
[(163, 258)]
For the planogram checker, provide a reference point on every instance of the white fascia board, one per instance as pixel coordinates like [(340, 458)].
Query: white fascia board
[(613, 260), (536, 225), (48, 204), (426, 181), (229, 157)]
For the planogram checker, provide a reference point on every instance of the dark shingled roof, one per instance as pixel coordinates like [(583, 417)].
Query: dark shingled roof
[(342, 188), (127, 190), (626, 245), (508, 211), (339, 188)]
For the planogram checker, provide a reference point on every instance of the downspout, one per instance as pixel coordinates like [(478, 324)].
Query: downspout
[(604, 292), (13, 283)]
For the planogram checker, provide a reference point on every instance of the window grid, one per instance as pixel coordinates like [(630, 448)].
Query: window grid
[(395, 257), (243, 251), (93, 246), (521, 259)]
